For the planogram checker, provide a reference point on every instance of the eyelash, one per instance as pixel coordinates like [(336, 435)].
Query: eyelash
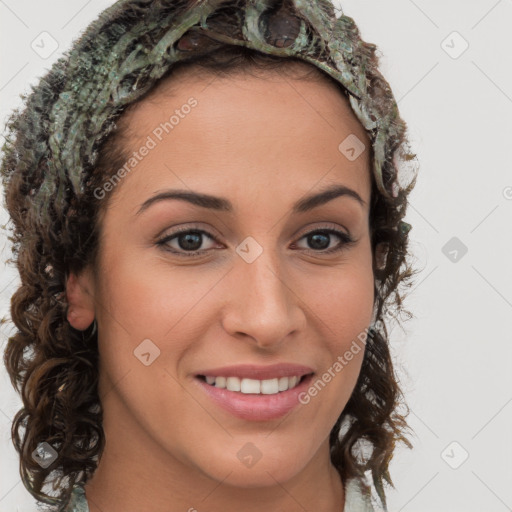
[(346, 241)]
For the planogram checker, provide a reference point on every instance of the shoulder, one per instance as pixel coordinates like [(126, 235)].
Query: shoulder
[(77, 501)]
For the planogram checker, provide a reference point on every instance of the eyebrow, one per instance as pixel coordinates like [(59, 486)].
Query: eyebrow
[(224, 205)]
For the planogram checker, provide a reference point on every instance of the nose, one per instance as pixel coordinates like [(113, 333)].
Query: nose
[(263, 306)]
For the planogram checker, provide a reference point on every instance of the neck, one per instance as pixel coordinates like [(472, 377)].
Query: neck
[(138, 479)]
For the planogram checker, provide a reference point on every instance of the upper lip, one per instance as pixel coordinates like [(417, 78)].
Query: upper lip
[(252, 371)]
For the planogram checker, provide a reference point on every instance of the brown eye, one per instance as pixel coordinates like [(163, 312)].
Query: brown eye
[(187, 241), (320, 239)]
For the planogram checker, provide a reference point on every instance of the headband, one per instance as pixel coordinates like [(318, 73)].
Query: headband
[(134, 43)]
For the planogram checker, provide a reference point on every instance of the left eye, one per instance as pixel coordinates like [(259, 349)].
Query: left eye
[(190, 240), (318, 238)]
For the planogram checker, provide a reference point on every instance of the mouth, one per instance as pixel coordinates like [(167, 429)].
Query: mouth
[(250, 386), (253, 399)]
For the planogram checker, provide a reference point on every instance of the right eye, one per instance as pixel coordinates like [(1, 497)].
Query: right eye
[(188, 240)]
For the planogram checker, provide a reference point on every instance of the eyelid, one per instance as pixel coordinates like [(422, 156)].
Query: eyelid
[(323, 225), (186, 226)]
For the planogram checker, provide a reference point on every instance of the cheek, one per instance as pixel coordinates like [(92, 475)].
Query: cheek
[(342, 312), (149, 301), (343, 297), (150, 297), (341, 304)]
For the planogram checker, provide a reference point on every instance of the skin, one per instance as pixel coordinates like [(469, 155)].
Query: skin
[(262, 142)]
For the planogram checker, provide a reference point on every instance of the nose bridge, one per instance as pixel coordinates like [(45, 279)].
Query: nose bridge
[(263, 278), (263, 306)]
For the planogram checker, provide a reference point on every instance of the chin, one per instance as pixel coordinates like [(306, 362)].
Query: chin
[(236, 468), (263, 476)]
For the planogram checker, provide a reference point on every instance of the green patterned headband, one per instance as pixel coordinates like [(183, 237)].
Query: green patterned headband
[(135, 42)]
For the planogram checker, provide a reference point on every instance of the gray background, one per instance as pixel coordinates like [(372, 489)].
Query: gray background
[(454, 356)]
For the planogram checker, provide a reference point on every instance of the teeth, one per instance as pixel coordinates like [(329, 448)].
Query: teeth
[(270, 387), (232, 383), (283, 383), (220, 382), (254, 386), (249, 386)]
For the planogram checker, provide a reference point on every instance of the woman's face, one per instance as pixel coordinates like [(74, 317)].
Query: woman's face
[(253, 289)]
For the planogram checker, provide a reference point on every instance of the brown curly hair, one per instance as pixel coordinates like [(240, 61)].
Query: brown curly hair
[(55, 218)]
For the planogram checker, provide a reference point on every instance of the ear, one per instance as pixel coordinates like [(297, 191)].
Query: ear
[(80, 297)]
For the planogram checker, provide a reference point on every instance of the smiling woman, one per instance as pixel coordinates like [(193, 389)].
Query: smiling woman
[(208, 202)]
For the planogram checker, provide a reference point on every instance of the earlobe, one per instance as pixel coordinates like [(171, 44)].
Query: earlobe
[(80, 298)]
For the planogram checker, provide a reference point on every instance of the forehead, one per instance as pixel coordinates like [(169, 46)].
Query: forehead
[(258, 129), (297, 89)]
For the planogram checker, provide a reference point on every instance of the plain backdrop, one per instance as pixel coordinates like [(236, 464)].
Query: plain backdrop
[(449, 66)]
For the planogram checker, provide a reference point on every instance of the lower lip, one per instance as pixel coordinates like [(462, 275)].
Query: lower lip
[(256, 407)]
